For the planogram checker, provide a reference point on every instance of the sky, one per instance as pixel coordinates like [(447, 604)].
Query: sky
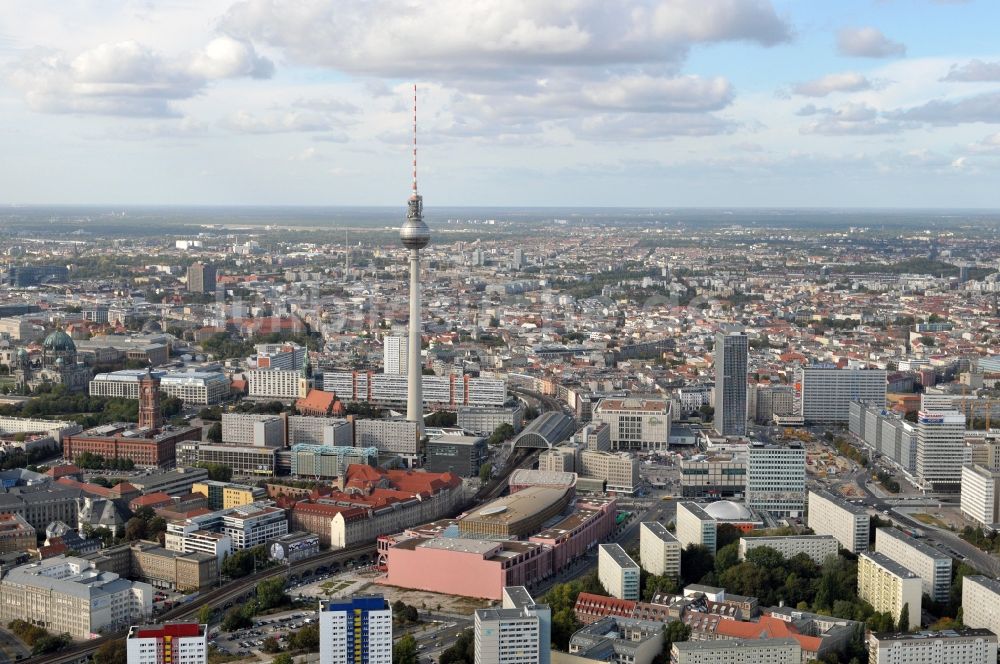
[(635, 103)]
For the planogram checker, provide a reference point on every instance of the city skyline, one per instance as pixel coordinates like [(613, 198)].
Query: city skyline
[(744, 103)]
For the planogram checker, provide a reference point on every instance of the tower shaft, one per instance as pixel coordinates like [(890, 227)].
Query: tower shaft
[(414, 373)]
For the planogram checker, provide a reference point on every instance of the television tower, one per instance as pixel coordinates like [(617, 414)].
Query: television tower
[(414, 235)]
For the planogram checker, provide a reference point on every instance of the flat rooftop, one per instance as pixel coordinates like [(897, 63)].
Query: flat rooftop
[(618, 554), (913, 542), (659, 530), (840, 501), (888, 563)]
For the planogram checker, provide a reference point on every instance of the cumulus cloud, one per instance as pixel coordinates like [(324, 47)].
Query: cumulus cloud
[(630, 127), (496, 38), (849, 119), (974, 71), (867, 42), (826, 85), (225, 57), (990, 144), (274, 123), (128, 78), (979, 108), (643, 93)]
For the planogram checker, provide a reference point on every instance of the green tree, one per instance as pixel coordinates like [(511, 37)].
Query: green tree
[(485, 471), (215, 433), (658, 584), (271, 593), (271, 645), (904, 618), (205, 615), (696, 562), (306, 639), (217, 471), (404, 651), (727, 534), (51, 643), (501, 433), (726, 557), (462, 651), (235, 619), (112, 652), (135, 529), (283, 658), (674, 632), (441, 418)]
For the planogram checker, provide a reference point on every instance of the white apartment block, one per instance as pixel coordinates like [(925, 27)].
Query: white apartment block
[(245, 526), (196, 387), (659, 549), (394, 354), (617, 572), (817, 547), (825, 392), (981, 603), (279, 356), (253, 524), (940, 450), (888, 587), (120, 384), (776, 479), (636, 424), (193, 387), (981, 494), (832, 515), (65, 594), (962, 646), (190, 538), (619, 469), (277, 384), (254, 429), (170, 643), (695, 526), (518, 632), (355, 631), (737, 651), (54, 428), (399, 436), (932, 566), (390, 389), (885, 432), (329, 431)]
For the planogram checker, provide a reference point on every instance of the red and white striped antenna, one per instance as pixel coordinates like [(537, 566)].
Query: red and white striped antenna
[(414, 139)]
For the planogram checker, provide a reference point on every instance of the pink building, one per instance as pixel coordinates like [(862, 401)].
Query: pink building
[(467, 567), (591, 523)]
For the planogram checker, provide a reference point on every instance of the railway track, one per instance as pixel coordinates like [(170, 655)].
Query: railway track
[(217, 599)]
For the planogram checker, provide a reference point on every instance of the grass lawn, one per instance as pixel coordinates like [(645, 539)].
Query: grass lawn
[(930, 520)]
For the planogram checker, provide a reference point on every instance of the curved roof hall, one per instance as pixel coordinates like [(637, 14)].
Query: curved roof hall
[(548, 429)]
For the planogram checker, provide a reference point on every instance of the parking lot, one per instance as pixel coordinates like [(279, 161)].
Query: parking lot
[(249, 641)]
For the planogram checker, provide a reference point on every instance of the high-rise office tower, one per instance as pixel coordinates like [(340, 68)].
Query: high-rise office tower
[(519, 632), (172, 643), (731, 349), (201, 278), (940, 450), (394, 354), (776, 478), (415, 236), (358, 631)]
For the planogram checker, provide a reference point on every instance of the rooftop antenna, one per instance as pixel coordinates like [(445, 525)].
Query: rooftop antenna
[(414, 139)]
